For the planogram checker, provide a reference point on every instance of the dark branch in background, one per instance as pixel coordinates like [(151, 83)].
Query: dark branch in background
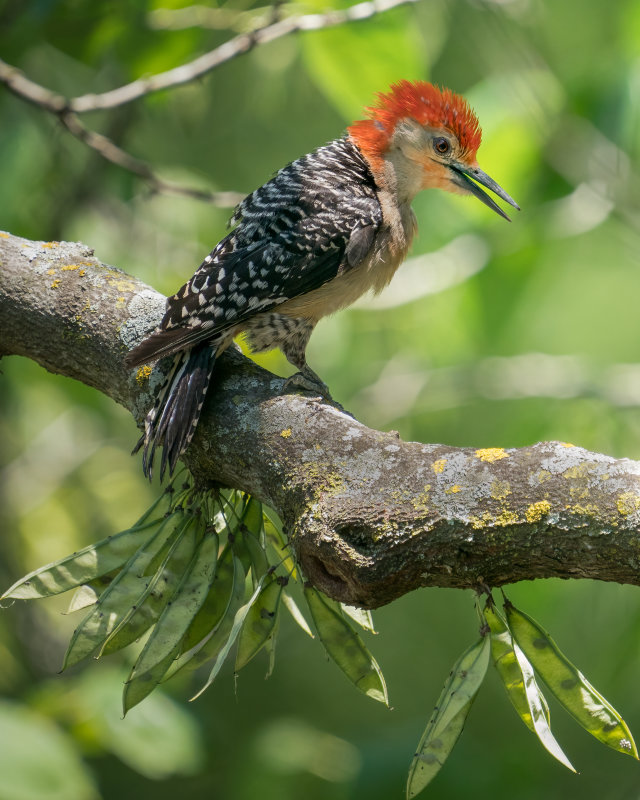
[(58, 105), (371, 517), (67, 109)]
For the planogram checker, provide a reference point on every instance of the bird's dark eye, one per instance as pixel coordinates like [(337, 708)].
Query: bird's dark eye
[(441, 145)]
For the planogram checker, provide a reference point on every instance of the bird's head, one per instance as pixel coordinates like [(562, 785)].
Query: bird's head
[(419, 136)]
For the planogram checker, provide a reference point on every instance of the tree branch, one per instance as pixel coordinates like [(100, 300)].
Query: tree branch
[(67, 109), (186, 73), (371, 517)]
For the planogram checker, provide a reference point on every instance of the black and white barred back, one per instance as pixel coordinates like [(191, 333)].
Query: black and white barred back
[(314, 220)]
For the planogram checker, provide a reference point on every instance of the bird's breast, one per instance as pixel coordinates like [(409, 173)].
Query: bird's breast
[(388, 251)]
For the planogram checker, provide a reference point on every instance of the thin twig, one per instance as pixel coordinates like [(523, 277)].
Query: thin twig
[(116, 155), (58, 105), (67, 109), (228, 51)]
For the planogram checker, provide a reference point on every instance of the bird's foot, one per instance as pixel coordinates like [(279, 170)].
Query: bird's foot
[(307, 381)]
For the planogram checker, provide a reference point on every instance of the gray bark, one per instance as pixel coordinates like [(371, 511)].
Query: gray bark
[(370, 516)]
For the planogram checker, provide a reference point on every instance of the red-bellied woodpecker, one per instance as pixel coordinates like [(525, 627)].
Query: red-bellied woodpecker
[(318, 235)]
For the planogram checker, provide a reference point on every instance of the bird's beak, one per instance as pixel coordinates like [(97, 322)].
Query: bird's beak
[(462, 174)]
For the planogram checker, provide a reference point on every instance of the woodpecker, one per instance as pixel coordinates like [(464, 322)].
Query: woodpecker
[(323, 231)]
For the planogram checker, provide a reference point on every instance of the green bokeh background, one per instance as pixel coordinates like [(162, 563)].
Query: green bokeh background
[(504, 336)]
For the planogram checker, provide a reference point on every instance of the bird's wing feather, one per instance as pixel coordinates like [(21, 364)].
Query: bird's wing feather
[(243, 278)]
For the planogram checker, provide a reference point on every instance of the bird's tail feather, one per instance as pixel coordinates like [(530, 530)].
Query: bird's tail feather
[(172, 421)]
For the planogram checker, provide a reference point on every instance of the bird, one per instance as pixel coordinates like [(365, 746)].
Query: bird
[(324, 230)]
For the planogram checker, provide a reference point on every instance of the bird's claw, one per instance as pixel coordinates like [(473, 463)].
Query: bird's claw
[(308, 381)]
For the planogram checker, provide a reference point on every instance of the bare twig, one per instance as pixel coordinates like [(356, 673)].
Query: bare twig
[(192, 70), (58, 105), (67, 109), (116, 155), (235, 47)]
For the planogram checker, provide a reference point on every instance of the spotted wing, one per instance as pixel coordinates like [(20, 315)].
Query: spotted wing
[(304, 227)]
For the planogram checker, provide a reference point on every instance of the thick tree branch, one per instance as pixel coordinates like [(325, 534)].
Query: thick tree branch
[(371, 517)]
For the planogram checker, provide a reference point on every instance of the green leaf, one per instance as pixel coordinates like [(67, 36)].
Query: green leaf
[(345, 647), (298, 616), (360, 615), (161, 585), (121, 594), (209, 647), (84, 566), (260, 622), (350, 63), (520, 683), (449, 715), (257, 555), (215, 603), (163, 644), (83, 597), (276, 538), (226, 638), (585, 704)]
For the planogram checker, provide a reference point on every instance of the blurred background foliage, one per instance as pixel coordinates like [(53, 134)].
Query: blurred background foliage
[(495, 335)]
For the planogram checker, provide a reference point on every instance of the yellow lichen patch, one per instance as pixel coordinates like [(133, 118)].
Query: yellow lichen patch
[(536, 511), (4, 235), (628, 503), (566, 444), (82, 273), (120, 300), (506, 518), (142, 374), (491, 454), (481, 522), (421, 501), (590, 510), (286, 433), (453, 489), (56, 283), (579, 492), (579, 471), (122, 285), (438, 466), (69, 267), (500, 490), (543, 475), (50, 244), (51, 271)]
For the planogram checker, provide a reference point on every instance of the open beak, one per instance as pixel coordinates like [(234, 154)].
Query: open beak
[(462, 174)]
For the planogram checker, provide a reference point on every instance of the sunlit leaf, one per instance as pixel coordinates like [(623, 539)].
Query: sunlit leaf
[(121, 594), (360, 615), (585, 704), (520, 683)]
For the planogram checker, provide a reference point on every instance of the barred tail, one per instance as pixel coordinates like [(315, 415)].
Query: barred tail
[(173, 419)]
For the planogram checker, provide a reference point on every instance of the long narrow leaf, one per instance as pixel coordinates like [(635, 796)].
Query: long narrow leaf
[(449, 715), (520, 683), (260, 621), (121, 594), (585, 704), (163, 644), (223, 652), (345, 647)]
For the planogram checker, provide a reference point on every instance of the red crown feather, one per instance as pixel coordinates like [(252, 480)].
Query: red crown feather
[(428, 105)]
